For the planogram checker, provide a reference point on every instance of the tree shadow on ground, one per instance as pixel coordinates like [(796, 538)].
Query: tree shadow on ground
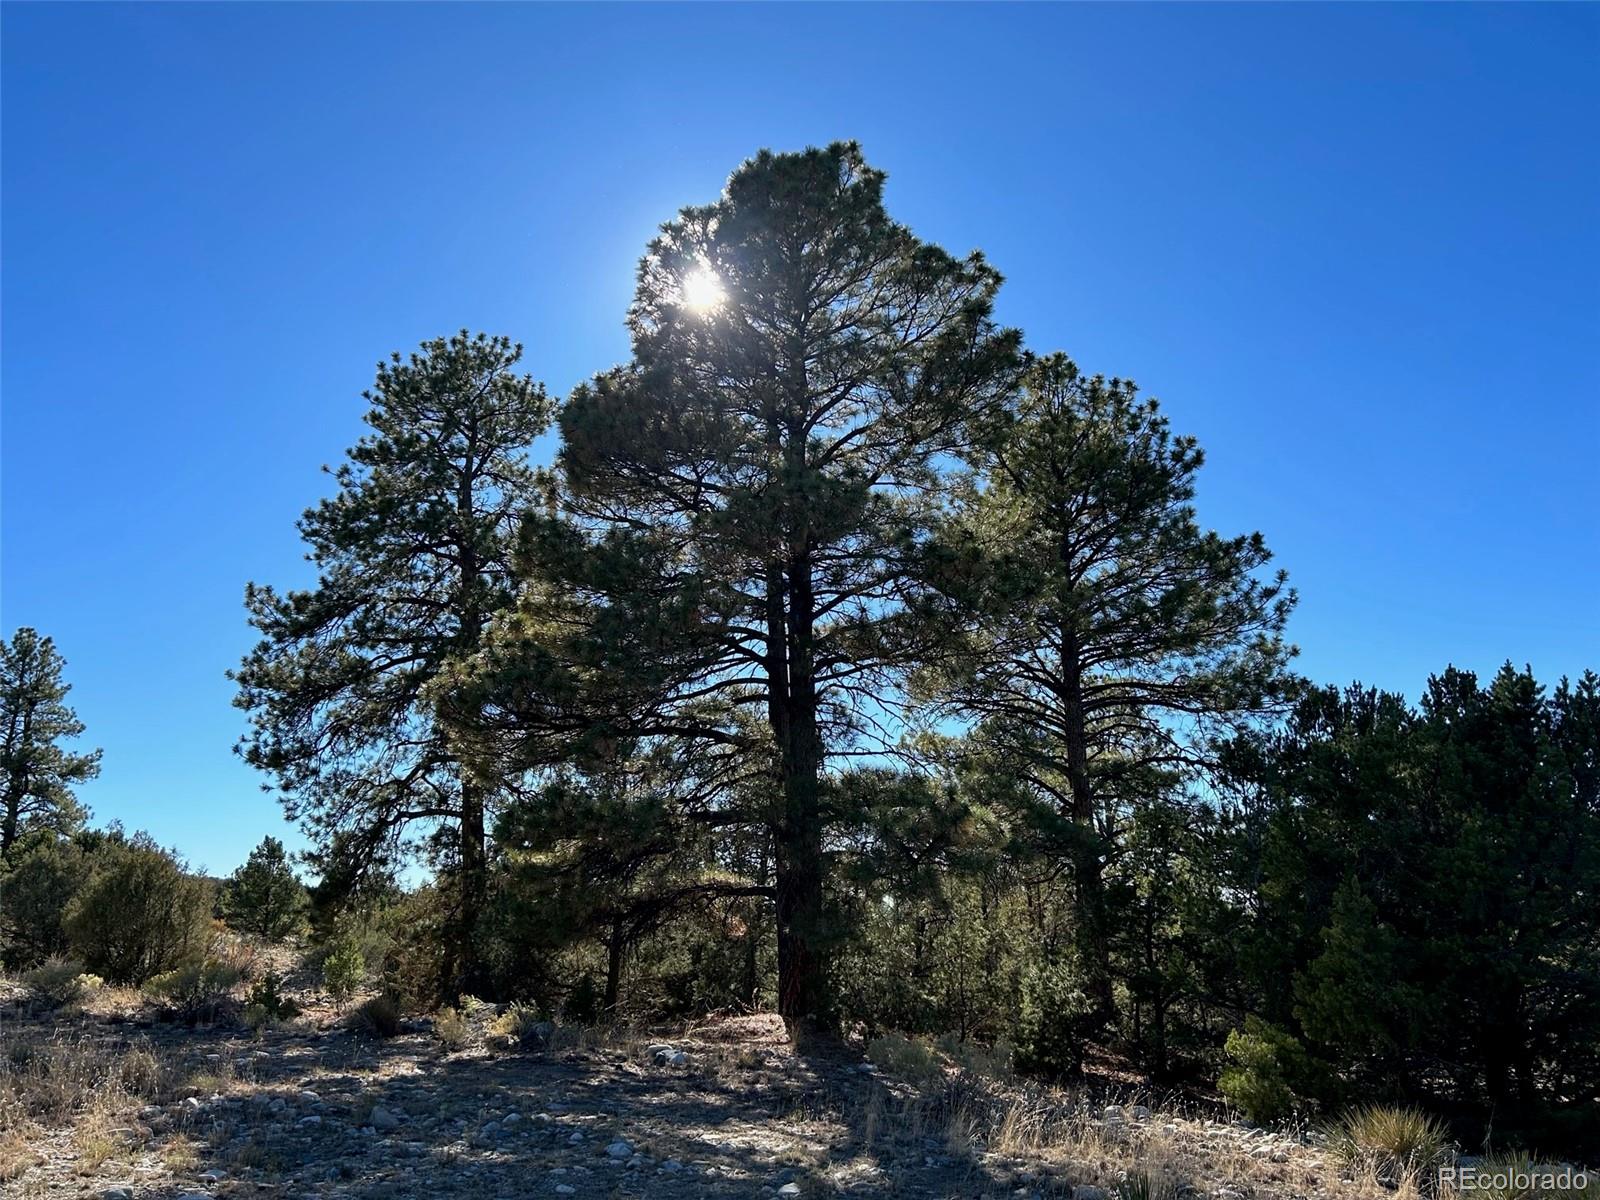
[(300, 1122)]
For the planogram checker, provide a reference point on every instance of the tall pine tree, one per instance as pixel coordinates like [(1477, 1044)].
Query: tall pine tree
[(1104, 630), (37, 772), (413, 558), (743, 501)]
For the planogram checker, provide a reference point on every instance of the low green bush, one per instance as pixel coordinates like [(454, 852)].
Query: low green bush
[(343, 970), (199, 993), (60, 981)]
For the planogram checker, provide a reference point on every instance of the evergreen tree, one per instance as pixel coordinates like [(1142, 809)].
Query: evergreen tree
[(263, 896), (1104, 633), (743, 500), (413, 555), (1429, 880), (37, 773)]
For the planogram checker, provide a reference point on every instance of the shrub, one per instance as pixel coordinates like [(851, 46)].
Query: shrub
[(34, 896), (582, 1005), (377, 1017), (343, 970), (521, 1028), (1394, 1143), (904, 1058), (60, 981), (1051, 1033), (451, 1028), (266, 994), (1266, 1061), (996, 1062), (199, 992), (140, 915)]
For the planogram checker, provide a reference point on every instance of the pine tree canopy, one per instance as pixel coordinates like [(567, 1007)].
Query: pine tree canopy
[(37, 772)]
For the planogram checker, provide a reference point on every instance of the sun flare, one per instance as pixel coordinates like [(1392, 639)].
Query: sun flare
[(703, 291)]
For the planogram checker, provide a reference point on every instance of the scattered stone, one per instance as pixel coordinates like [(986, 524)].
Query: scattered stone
[(1088, 1191), (789, 1189), (619, 1149), (382, 1118)]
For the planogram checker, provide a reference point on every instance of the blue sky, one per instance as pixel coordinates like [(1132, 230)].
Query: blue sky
[(1353, 249)]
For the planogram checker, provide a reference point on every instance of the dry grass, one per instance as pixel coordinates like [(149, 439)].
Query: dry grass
[(16, 1154), (180, 1155)]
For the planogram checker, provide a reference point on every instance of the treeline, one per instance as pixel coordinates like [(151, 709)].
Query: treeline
[(854, 661)]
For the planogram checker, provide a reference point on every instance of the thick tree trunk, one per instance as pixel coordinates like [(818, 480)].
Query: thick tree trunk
[(802, 984), (1091, 928), (474, 890)]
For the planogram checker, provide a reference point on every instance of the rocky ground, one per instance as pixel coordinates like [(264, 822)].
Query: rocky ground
[(721, 1109)]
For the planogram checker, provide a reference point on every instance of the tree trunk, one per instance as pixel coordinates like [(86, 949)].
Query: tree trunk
[(1091, 929), (474, 890), (614, 949), (802, 992), (8, 827), (802, 985)]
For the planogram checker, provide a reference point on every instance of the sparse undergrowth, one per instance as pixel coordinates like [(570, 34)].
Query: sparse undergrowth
[(82, 1105)]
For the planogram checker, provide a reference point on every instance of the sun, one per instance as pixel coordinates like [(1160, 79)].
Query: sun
[(702, 290)]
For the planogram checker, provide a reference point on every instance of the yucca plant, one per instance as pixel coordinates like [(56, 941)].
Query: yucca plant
[(1391, 1141)]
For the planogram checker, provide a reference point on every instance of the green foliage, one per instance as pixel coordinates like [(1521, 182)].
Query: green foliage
[(60, 981), (45, 873), (742, 503), (263, 896), (37, 773), (1265, 1065), (267, 997), (413, 558), (344, 969), (140, 914), (1393, 1142), (1055, 1019), (1429, 879), (1088, 609), (199, 992)]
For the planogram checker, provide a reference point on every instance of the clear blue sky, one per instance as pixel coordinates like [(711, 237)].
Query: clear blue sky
[(1354, 249)]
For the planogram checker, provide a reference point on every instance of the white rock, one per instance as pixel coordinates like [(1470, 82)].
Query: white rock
[(789, 1189)]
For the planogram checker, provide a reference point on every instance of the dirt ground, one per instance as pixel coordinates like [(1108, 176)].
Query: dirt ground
[(725, 1108)]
